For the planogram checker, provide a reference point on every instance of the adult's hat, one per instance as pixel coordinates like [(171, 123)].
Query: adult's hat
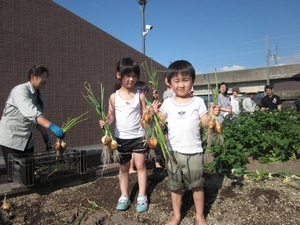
[(236, 89), (251, 92)]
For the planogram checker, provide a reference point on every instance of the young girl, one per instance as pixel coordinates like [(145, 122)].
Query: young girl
[(127, 105), (184, 113)]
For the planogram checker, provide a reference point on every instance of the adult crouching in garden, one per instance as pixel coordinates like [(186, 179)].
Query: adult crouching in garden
[(23, 111)]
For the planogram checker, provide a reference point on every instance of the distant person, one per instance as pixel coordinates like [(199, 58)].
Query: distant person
[(297, 104), (223, 101), (168, 93), (235, 101), (249, 104), (23, 112), (270, 101)]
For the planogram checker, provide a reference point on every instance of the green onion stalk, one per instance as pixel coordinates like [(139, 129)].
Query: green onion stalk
[(157, 126), (60, 144), (214, 126), (107, 140), (152, 77)]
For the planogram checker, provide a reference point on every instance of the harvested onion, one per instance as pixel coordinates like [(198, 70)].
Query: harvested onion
[(219, 127), (106, 140), (152, 142), (6, 205), (63, 145), (147, 117), (211, 124), (113, 145), (57, 145)]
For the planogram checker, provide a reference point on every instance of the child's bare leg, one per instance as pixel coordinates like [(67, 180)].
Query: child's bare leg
[(176, 202), (157, 165), (131, 169), (124, 178), (198, 195), (139, 160)]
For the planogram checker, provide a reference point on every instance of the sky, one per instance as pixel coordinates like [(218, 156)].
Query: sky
[(219, 35)]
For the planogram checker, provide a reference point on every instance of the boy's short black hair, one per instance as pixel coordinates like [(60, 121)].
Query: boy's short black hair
[(268, 87), (142, 86), (180, 67)]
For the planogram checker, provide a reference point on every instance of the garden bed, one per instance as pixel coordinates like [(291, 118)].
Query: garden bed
[(228, 200)]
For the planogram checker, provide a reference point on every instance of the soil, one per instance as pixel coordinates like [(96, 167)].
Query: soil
[(228, 200)]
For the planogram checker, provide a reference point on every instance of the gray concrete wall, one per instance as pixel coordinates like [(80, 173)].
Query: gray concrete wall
[(247, 79)]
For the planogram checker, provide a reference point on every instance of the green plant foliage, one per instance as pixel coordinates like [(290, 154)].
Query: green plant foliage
[(267, 136)]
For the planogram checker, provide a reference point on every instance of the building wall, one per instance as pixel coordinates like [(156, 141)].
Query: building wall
[(40, 32), (247, 79)]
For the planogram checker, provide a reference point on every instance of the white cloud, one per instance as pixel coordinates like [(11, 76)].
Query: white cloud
[(234, 67), (290, 59)]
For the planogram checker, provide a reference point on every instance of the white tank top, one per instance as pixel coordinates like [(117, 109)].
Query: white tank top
[(128, 117)]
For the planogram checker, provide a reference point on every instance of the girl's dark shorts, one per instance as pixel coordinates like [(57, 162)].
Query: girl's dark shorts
[(128, 146)]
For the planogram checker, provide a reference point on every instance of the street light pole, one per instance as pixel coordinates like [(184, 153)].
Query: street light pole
[(142, 4)]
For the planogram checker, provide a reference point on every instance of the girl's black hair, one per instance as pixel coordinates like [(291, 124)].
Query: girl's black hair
[(126, 66), (182, 67)]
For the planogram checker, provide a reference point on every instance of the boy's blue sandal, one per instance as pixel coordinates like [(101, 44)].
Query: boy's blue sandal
[(142, 203), (123, 203)]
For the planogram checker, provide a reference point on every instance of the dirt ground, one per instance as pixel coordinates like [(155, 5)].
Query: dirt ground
[(228, 200)]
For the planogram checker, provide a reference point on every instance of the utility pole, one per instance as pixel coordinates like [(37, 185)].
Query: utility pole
[(267, 59), (275, 56)]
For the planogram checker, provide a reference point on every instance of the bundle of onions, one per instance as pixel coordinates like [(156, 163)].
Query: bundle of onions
[(214, 130), (107, 140), (60, 145), (154, 135)]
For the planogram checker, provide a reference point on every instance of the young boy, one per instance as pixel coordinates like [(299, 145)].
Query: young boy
[(184, 113)]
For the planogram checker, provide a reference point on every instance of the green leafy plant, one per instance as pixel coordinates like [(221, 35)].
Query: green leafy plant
[(267, 136)]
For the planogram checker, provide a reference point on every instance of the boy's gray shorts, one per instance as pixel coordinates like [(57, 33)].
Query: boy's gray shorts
[(186, 172)]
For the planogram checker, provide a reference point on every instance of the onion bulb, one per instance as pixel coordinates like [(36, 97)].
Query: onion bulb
[(211, 124), (152, 142), (155, 96), (219, 127), (63, 145), (106, 140), (143, 123), (113, 145), (147, 117), (6, 205), (57, 145), (154, 91)]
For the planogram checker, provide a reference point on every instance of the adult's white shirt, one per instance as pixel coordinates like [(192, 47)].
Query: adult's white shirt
[(235, 103)]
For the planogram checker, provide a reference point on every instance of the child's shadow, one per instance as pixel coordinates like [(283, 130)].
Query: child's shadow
[(213, 182), (154, 179)]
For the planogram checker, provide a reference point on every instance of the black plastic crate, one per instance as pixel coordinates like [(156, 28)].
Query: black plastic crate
[(31, 169)]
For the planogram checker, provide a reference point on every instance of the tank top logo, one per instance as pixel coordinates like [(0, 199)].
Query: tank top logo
[(127, 103)]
